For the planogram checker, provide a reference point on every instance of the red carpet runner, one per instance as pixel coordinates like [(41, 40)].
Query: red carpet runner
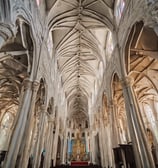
[(79, 163)]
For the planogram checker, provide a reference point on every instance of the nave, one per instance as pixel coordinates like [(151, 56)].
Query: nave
[(79, 83)]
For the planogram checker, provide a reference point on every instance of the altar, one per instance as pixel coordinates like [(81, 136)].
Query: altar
[(77, 152), (79, 163)]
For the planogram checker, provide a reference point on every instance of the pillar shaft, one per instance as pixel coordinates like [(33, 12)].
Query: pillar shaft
[(34, 136), (49, 143), (29, 127), (52, 146), (113, 136), (19, 128), (103, 146), (55, 144), (142, 155), (38, 146), (64, 149), (92, 147), (113, 125)]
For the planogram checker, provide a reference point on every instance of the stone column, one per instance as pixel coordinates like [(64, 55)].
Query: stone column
[(64, 148), (102, 141), (113, 123), (52, 144), (42, 142), (87, 142), (46, 144), (40, 137), (61, 148), (49, 142), (105, 144), (113, 135), (55, 145), (29, 128), (109, 151), (101, 146), (34, 135), (19, 128), (143, 157), (155, 113), (92, 147)]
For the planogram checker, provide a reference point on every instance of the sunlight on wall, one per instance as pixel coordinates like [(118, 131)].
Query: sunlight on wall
[(50, 44), (110, 45), (101, 70), (149, 113), (38, 2), (151, 120), (5, 130), (120, 4)]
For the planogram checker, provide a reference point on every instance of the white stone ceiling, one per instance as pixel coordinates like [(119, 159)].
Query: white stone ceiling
[(79, 30)]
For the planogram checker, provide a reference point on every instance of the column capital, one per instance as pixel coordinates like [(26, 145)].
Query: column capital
[(35, 86), (127, 81), (51, 119), (27, 84), (106, 119), (110, 104), (43, 108)]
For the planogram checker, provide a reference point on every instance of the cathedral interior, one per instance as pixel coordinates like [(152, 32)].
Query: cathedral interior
[(78, 83)]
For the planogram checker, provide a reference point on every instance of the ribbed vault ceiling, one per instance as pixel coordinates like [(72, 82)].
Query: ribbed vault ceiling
[(79, 30)]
